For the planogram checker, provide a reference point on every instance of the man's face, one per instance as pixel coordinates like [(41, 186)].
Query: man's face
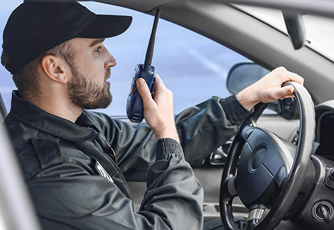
[(88, 87)]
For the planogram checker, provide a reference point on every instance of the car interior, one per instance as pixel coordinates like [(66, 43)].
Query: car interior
[(278, 171)]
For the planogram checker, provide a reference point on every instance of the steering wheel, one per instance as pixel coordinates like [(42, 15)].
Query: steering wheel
[(264, 171)]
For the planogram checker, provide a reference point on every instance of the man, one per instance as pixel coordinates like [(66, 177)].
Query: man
[(76, 162)]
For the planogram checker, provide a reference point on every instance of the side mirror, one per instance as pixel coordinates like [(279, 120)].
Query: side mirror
[(244, 74)]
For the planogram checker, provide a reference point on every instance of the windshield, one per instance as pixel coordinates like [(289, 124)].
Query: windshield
[(319, 30)]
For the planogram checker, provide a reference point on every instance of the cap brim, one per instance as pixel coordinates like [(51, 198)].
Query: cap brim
[(106, 26)]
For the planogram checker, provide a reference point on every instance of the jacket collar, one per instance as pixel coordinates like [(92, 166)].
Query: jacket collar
[(32, 115)]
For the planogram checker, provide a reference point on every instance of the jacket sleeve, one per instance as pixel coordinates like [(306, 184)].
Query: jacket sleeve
[(205, 127), (202, 129), (68, 196)]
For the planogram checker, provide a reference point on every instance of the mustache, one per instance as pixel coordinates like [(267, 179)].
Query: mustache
[(107, 74)]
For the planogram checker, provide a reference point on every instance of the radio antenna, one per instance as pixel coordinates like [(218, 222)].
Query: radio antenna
[(150, 48)]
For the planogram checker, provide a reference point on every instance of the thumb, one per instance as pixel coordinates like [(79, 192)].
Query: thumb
[(143, 89), (286, 91)]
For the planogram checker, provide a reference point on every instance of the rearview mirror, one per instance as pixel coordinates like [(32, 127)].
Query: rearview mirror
[(295, 26)]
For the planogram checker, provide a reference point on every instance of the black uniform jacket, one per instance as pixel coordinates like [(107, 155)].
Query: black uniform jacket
[(77, 172)]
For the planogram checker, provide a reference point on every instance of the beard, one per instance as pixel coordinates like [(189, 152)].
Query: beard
[(87, 94)]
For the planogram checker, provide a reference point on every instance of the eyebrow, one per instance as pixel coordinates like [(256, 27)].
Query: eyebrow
[(96, 41)]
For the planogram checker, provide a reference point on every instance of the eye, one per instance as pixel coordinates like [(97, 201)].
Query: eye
[(98, 49)]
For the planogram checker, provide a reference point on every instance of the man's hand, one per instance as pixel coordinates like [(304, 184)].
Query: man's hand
[(158, 112), (269, 88)]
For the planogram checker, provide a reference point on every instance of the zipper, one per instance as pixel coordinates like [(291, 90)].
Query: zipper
[(112, 152)]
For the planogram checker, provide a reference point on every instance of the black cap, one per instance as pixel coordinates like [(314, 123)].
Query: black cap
[(35, 27)]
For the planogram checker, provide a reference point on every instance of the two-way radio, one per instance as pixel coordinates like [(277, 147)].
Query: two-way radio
[(134, 104)]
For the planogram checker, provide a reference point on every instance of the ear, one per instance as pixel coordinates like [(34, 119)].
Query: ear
[(54, 68)]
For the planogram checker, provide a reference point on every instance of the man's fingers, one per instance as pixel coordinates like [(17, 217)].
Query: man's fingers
[(297, 78), (290, 76), (290, 96), (159, 84)]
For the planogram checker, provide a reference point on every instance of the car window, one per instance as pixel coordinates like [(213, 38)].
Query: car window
[(192, 66)]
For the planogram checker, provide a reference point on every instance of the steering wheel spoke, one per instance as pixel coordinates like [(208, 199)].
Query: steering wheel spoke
[(231, 187), (254, 217)]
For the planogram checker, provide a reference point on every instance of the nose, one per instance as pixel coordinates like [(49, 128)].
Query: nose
[(110, 61)]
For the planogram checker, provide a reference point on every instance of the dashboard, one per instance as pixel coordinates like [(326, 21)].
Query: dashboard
[(324, 140)]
